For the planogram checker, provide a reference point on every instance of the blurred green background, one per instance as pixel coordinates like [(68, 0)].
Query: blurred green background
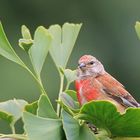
[(107, 33)]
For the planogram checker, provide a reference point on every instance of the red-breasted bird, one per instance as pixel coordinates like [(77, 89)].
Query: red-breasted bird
[(94, 83)]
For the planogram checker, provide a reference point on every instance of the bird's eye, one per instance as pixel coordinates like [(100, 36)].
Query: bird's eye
[(91, 63)]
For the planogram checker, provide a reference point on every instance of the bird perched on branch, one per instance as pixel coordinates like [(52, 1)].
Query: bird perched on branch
[(94, 83)]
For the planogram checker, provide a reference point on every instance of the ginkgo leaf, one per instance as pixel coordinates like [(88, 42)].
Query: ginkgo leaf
[(6, 49), (45, 108), (40, 48), (13, 107), (70, 75), (75, 131), (137, 28), (63, 41), (104, 115), (25, 32), (26, 41), (38, 128)]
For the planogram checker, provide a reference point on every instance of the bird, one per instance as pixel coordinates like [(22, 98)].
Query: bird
[(94, 83)]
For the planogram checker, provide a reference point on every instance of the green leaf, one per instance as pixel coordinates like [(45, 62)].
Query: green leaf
[(68, 101), (75, 131), (40, 48), (32, 108), (26, 42), (72, 93), (63, 41), (61, 70), (45, 108), (103, 135), (137, 28), (125, 138), (13, 107), (25, 32), (106, 138), (104, 115), (38, 128), (70, 75), (6, 116), (6, 50), (68, 104)]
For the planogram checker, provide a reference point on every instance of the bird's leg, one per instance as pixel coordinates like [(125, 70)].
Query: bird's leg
[(92, 127)]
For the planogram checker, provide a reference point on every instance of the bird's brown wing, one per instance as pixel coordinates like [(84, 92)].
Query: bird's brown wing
[(116, 90)]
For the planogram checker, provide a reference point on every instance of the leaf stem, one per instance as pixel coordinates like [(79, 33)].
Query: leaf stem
[(126, 138), (14, 136), (38, 80), (41, 84), (60, 91), (13, 128), (67, 86)]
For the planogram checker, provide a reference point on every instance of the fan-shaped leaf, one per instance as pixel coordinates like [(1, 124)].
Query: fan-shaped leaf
[(13, 107), (137, 28), (26, 42), (63, 41), (40, 48), (38, 128), (6, 116), (70, 75), (6, 50), (75, 131), (45, 108), (32, 108), (104, 115)]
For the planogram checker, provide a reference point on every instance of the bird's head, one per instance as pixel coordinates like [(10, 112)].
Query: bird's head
[(89, 66)]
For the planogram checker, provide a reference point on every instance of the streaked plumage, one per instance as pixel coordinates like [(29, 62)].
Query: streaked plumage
[(94, 83)]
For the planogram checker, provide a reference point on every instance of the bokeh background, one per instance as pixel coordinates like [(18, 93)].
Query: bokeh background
[(107, 33)]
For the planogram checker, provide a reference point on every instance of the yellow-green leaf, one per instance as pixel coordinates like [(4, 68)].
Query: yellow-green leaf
[(137, 28), (13, 107), (75, 131), (45, 108), (38, 128), (63, 42), (6, 50), (40, 48)]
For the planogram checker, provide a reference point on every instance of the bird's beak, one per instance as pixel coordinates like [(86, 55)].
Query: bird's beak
[(82, 65)]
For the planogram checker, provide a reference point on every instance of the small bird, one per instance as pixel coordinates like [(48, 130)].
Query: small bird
[(94, 83)]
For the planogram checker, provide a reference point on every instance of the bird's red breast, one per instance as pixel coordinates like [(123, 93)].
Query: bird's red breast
[(86, 91), (91, 89)]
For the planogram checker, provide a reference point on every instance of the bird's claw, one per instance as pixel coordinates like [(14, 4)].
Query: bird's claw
[(92, 127)]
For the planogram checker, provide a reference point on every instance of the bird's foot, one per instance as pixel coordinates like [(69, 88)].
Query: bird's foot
[(92, 127)]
